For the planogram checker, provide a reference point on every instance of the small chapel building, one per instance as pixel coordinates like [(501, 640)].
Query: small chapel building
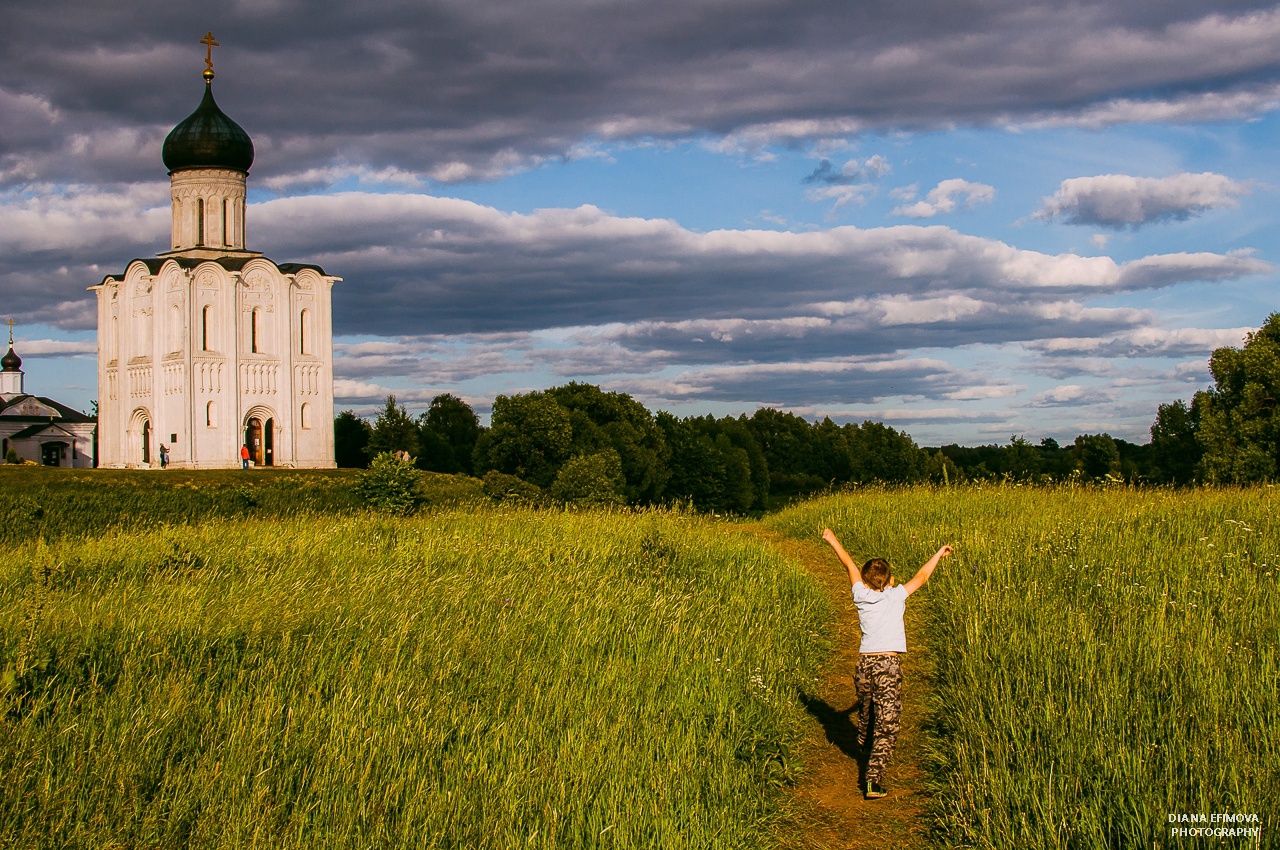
[(210, 347), (36, 428)]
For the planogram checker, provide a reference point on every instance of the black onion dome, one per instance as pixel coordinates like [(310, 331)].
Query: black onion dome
[(10, 362), (207, 138)]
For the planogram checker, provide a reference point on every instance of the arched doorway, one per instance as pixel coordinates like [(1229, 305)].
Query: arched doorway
[(139, 437), (259, 436)]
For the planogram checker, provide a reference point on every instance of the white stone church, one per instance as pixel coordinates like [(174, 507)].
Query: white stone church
[(209, 347)]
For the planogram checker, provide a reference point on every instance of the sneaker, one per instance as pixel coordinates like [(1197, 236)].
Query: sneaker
[(874, 790)]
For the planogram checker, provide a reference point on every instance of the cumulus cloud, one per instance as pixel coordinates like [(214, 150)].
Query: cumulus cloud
[(465, 91), (453, 266), (852, 171), (56, 348), (1189, 108), (1144, 341), (829, 381), (946, 197), (1072, 395), (856, 194), (1119, 200)]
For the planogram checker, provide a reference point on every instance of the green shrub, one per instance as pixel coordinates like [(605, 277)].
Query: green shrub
[(590, 480), (11, 456), (391, 485), (508, 488)]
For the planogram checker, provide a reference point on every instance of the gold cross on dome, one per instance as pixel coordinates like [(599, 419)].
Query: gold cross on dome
[(209, 44), (11, 331)]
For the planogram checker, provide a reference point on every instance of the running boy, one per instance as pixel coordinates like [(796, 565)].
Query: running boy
[(878, 680)]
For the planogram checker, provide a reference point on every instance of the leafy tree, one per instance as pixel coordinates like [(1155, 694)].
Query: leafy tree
[(1239, 429), (447, 434), (879, 453), (1021, 460), (351, 440), (393, 431), (738, 432), (594, 479), (607, 420), (697, 467), (1097, 455), (1175, 451), (530, 437), (716, 464), (942, 470)]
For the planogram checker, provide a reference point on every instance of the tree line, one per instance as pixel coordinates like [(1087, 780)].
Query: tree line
[(578, 442)]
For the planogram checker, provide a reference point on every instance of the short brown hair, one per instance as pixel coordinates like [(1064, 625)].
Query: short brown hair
[(876, 573)]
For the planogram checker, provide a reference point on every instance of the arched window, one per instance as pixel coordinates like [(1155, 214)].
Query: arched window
[(305, 417), (304, 332), (226, 209), (253, 330), (211, 415), (204, 328), (175, 327), (200, 221)]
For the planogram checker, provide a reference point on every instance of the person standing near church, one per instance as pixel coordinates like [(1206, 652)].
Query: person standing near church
[(164, 455), (244, 456)]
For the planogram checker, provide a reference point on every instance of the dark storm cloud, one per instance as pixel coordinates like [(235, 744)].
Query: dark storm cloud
[(418, 265), (452, 266), (464, 90), (818, 382)]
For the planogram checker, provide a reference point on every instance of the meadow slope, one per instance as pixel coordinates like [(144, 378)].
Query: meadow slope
[(490, 678), (1103, 658)]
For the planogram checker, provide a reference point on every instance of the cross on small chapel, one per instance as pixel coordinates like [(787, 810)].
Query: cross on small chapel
[(11, 331), (209, 44)]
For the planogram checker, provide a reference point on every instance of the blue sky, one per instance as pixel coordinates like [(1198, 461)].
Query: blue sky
[(965, 220)]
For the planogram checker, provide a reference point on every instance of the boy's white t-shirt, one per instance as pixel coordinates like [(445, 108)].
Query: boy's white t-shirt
[(880, 617)]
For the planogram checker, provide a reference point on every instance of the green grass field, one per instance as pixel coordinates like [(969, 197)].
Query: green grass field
[(55, 503), (232, 659), (490, 678), (1104, 658)]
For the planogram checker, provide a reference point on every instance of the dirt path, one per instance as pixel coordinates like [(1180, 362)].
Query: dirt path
[(828, 809)]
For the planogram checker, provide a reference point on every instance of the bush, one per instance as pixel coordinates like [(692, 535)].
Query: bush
[(590, 480), (12, 456), (391, 485), (508, 488)]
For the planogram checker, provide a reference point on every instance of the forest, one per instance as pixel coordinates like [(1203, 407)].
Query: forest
[(579, 443)]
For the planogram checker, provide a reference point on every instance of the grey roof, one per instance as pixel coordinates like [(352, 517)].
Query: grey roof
[(65, 414), (231, 264), (32, 430)]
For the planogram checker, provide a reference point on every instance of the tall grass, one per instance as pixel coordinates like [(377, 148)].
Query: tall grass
[(493, 679), (1104, 658), (56, 503)]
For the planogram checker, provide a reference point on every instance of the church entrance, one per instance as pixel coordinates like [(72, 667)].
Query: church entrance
[(51, 454), (139, 439), (259, 436)]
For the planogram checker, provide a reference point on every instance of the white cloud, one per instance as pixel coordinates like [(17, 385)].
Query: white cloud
[(1072, 395), (853, 194), (55, 348), (946, 197), (1119, 200)]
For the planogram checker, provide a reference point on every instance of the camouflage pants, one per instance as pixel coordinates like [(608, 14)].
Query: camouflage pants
[(879, 684)]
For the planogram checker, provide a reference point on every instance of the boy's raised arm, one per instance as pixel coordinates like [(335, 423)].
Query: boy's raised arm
[(830, 537), (918, 580)]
